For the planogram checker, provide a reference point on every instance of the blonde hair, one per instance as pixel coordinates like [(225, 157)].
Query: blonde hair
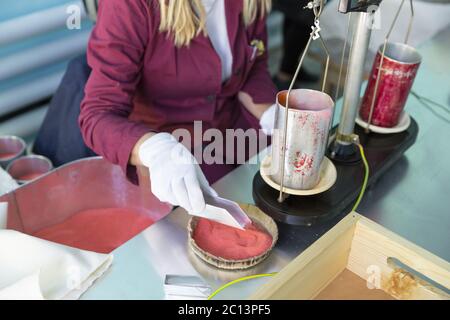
[(186, 19)]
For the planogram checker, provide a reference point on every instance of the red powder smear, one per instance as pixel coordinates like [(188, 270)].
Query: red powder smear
[(29, 176), (303, 163), (231, 243), (9, 155), (98, 230)]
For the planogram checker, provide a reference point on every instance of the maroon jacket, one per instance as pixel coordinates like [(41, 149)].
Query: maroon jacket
[(141, 82)]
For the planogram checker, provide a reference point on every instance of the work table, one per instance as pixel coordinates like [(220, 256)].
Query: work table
[(410, 200)]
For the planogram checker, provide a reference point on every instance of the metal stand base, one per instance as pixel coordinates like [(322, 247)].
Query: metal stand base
[(344, 153), (382, 152)]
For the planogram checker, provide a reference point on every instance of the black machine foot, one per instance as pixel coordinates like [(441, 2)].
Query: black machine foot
[(382, 151)]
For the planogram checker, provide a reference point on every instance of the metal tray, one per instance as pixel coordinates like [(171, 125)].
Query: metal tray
[(83, 184)]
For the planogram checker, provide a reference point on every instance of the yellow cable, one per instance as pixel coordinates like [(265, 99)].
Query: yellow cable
[(366, 177), (240, 280), (358, 201)]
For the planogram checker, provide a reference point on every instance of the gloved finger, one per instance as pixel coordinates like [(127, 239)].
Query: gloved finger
[(179, 155), (161, 187), (195, 193), (181, 194), (204, 184)]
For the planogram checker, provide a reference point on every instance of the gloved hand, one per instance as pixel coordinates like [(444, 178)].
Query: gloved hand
[(267, 121), (175, 174)]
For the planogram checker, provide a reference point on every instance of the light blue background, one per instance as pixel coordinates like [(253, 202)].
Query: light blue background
[(13, 9)]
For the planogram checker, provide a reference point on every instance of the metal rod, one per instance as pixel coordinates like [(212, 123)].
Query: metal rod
[(355, 72), (377, 83), (410, 21), (283, 150), (341, 67), (327, 64)]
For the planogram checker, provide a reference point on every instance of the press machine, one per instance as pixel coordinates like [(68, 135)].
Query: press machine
[(382, 150)]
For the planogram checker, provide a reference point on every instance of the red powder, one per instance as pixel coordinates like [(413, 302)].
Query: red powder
[(231, 243), (29, 176), (7, 155), (98, 230)]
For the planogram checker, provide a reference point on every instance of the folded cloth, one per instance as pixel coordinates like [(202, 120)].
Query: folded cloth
[(7, 184), (32, 268)]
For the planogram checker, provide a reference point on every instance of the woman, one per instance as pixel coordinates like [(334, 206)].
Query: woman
[(160, 65)]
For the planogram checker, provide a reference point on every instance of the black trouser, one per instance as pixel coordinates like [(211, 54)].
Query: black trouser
[(296, 31), (59, 138)]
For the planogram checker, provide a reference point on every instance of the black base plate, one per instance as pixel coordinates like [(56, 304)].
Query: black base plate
[(382, 151)]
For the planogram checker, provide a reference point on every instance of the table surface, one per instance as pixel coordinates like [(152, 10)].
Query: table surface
[(412, 200)]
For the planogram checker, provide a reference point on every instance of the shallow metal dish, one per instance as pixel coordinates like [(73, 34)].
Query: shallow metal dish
[(32, 164), (11, 144), (258, 217)]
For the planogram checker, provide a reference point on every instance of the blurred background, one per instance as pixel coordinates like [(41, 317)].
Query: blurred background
[(39, 37), (35, 47)]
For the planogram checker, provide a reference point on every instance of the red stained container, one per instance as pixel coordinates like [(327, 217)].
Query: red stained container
[(11, 148), (41, 205), (28, 168), (400, 65)]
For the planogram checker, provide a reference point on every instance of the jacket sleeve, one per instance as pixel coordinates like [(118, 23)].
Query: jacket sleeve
[(259, 84), (115, 54)]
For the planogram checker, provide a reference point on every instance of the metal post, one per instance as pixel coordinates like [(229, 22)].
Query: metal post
[(355, 72)]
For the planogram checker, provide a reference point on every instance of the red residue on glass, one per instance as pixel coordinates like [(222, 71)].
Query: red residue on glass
[(303, 163)]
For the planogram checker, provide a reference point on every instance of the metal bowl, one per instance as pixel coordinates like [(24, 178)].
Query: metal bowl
[(28, 168), (11, 148)]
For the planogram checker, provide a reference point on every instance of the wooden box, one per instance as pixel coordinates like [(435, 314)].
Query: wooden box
[(359, 259)]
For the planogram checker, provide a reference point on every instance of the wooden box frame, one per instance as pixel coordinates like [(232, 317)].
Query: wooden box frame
[(362, 247)]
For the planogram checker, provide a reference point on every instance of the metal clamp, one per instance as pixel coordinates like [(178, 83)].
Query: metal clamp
[(352, 138)]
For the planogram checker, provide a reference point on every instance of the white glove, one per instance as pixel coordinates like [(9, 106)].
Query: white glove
[(175, 175), (267, 121)]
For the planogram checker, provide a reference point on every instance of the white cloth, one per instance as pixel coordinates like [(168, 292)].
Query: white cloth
[(175, 175), (7, 184), (216, 26), (36, 269)]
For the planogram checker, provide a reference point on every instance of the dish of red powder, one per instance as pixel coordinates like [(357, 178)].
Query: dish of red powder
[(98, 230), (5, 156), (29, 176), (231, 243)]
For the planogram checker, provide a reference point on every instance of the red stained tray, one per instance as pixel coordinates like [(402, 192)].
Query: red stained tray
[(84, 184)]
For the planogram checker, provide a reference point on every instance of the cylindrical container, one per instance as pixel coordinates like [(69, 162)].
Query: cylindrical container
[(400, 65), (28, 168), (309, 123), (11, 148)]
